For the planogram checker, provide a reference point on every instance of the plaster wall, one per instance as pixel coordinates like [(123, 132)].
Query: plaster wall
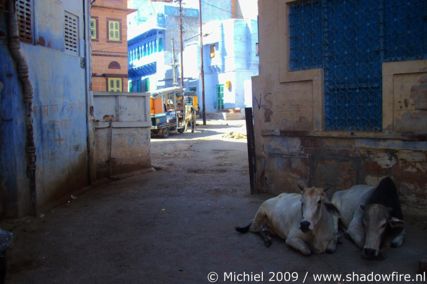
[(14, 192), (60, 128), (122, 133)]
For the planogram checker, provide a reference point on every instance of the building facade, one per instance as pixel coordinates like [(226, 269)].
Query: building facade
[(230, 60), (108, 25), (230, 32), (154, 47), (147, 64), (45, 99), (341, 96)]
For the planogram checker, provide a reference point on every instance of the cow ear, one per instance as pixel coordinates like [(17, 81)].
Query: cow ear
[(396, 222), (332, 208)]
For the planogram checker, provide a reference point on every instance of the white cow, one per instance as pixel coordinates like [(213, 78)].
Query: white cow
[(307, 221), (372, 216)]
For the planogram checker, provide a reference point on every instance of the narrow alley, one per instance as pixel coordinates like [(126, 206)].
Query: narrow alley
[(103, 181), (174, 225)]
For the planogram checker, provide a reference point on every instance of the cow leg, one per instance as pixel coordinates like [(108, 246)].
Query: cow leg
[(332, 246), (265, 235), (299, 245), (398, 240), (260, 226), (357, 237), (355, 229), (260, 221)]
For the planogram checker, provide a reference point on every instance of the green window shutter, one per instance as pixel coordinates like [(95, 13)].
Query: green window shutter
[(93, 34), (160, 44), (114, 30)]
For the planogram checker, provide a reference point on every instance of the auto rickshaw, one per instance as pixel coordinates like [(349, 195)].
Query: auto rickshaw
[(167, 111)]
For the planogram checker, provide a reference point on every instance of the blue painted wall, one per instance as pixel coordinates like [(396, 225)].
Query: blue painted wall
[(13, 181), (235, 60), (213, 10), (59, 110)]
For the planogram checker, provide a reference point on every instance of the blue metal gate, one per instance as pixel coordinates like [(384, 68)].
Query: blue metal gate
[(351, 39)]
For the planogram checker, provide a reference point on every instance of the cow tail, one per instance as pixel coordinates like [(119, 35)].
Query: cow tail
[(244, 229)]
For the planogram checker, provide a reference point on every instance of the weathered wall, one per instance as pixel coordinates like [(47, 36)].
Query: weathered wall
[(59, 86), (59, 121), (292, 145), (59, 106), (14, 190), (122, 144)]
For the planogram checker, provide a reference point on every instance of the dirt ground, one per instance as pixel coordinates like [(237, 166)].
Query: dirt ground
[(176, 224)]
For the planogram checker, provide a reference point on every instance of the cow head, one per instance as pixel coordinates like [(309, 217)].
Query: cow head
[(314, 204), (376, 221)]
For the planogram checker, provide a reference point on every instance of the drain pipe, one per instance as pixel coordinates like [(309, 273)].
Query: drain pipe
[(88, 101), (27, 93)]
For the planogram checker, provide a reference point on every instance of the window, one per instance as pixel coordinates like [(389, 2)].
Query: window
[(114, 65), (94, 28), (71, 33), (24, 13), (160, 44), (114, 85), (212, 51), (114, 30)]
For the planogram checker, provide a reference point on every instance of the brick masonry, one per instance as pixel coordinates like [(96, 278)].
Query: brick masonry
[(104, 52)]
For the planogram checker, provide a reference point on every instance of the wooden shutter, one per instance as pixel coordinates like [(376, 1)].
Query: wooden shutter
[(117, 30), (24, 14), (110, 30), (93, 28), (71, 33)]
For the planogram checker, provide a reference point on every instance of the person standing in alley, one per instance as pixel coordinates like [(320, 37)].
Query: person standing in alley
[(193, 118)]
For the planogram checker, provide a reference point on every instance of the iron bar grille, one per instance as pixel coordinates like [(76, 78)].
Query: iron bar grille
[(24, 15), (350, 40), (71, 33)]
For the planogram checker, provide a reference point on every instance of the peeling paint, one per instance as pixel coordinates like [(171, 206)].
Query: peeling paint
[(410, 156), (385, 160)]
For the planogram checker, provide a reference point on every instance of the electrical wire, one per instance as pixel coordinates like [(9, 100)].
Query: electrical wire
[(219, 8)]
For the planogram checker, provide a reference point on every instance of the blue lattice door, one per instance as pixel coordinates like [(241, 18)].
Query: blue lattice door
[(352, 67), (351, 39)]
